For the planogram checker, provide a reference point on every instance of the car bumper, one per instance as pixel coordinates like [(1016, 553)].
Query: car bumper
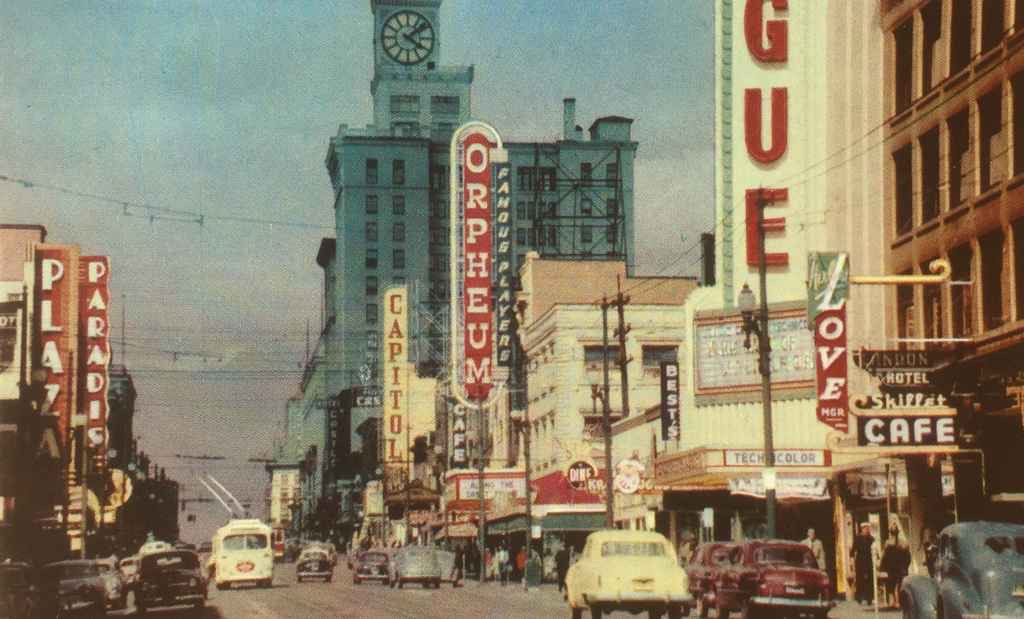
[(381, 577), (170, 599), (637, 597), (314, 574), (780, 602)]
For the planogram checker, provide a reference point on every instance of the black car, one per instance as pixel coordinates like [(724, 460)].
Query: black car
[(314, 563), (72, 586), (17, 597), (372, 565), (170, 578)]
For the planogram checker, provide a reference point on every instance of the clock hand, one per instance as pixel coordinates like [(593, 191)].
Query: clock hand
[(423, 26)]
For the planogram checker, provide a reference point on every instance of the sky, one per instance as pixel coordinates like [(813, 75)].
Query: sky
[(186, 139)]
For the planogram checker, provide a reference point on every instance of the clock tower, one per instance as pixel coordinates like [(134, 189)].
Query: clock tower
[(413, 94)]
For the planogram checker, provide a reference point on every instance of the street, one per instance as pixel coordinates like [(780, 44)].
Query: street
[(340, 598)]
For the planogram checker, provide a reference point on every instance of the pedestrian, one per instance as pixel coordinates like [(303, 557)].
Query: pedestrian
[(862, 554), (895, 563), (930, 547), (489, 564), (562, 565), (521, 564), (817, 548), (460, 557), (503, 564)]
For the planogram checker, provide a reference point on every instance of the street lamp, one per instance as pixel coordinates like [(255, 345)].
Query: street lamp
[(758, 325)]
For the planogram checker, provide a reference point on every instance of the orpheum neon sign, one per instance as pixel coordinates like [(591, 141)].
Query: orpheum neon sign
[(475, 147)]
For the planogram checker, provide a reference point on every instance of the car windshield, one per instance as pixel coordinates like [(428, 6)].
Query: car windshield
[(80, 570), (245, 542), (1006, 544), (632, 549), (170, 561), (375, 557), (314, 556), (788, 555)]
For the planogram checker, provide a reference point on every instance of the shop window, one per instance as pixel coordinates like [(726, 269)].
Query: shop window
[(904, 189), (371, 231), (961, 296), (593, 357), (398, 172), (371, 285), (398, 205), (960, 36), (586, 234), (398, 232), (958, 128), (371, 313), (398, 259), (932, 306), (905, 312), (992, 142), (1017, 84), (586, 207), (929, 144), (931, 17), (371, 171), (371, 257), (903, 76), (371, 204), (1018, 263), (992, 308), (993, 23)]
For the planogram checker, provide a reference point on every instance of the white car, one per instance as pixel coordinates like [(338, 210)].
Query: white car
[(634, 571)]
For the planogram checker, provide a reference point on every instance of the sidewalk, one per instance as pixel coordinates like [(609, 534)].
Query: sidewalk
[(853, 610)]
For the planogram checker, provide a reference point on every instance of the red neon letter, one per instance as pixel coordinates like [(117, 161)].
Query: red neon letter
[(754, 28), (752, 124), (772, 224)]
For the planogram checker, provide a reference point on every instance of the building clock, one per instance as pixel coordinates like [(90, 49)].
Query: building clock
[(407, 37)]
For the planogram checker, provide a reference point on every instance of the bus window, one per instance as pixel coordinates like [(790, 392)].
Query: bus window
[(245, 542)]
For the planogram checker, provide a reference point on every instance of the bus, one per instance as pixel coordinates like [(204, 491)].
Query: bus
[(241, 553)]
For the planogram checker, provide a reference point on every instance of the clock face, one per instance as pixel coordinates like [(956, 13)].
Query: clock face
[(407, 37)]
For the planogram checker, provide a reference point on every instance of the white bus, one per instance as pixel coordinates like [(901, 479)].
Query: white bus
[(241, 553)]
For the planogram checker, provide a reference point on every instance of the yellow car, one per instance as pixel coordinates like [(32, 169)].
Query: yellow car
[(632, 571)]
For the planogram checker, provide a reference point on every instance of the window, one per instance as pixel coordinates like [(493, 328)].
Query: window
[(586, 234), (960, 36), (438, 264), (993, 22), (439, 236), (905, 311), (961, 259), (244, 542), (593, 356), (548, 179), (398, 259), (959, 150), (904, 190), (586, 207), (520, 210), (438, 176), (398, 205), (406, 129), (903, 80), (1018, 261), (931, 72), (371, 257), (633, 549), (442, 131), (553, 236), (372, 340), (991, 145), (398, 172), (371, 313), (441, 104), (795, 556), (371, 205), (371, 231), (398, 232), (933, 319), (613, 207), (441, 210), (531, 211), (532, 237), (398, 280), (586, 172), (929, 175), (525, 176), (541, 236), (611, 172), (371, 285), (612, 234), (371, 171), (521, 236), (992, 279), (405, 104), (552, 209), (1017, 84), (654, 355)]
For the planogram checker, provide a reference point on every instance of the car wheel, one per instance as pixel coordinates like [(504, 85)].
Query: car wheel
[(596, 612), (678, 612), (577, 613), (751, 611)]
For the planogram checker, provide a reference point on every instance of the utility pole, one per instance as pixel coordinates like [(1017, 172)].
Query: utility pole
[(621, 331), (609, 519), (482, 518)]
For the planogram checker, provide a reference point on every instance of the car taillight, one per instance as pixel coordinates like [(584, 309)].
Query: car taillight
[(763, 588)]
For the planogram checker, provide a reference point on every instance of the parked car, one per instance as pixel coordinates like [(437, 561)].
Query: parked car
[(170, 578), (979, 571), (372, 565), (634, 571), (314, 562), (17, 594), (129, 568), (116, 593), (702, 572), (416, 564), (72, 586), (772, 577)]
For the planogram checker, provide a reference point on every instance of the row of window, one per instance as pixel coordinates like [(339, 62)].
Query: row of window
[(653, 355), (397, 172), (978, 127), (981, 288), (397, 258), (397, 204), (410, 104), (927, 25), (397, 231), (529, 178)]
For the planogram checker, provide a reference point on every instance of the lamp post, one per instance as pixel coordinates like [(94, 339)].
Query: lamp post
[(759, 327)]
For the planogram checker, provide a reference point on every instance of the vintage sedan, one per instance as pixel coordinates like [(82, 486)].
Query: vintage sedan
[(772, 577), (702, 572), (170, 578), (116, 592), (73, 586), (634, 571), (372, 565), (979, 572), (17, 595), (416, 564), (314, 562)]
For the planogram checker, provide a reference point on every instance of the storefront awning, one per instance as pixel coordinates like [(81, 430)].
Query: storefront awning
[(588, 521)]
